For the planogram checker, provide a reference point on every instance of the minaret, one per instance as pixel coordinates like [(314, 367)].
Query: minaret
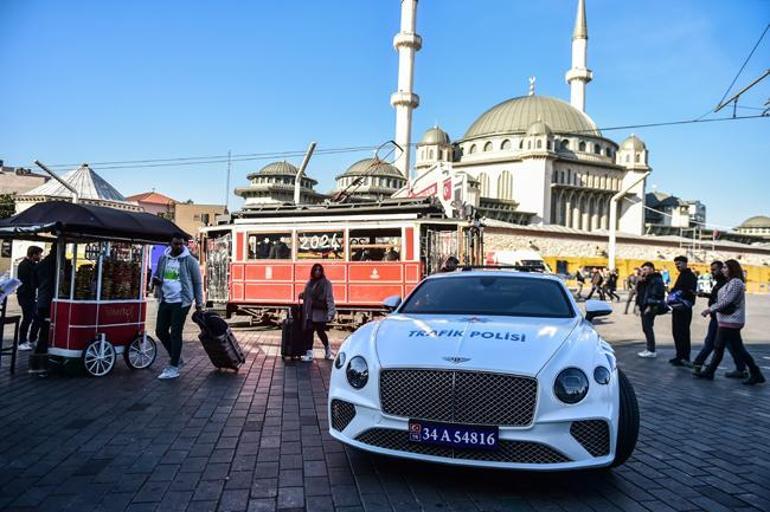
[(579, 75), (406, 43)]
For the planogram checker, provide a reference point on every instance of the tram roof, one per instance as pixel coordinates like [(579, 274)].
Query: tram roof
[(422, 206)]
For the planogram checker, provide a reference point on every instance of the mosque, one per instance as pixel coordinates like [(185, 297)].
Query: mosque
[(532, 159)]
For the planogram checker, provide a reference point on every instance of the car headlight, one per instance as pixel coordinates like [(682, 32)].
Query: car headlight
[(357, 372), (602, 375), (571, 386), (339, 362)]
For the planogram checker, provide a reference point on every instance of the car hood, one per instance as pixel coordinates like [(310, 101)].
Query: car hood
[(505, 344)]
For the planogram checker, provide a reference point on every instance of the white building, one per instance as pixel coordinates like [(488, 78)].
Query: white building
[(538, 156), (667, 210)]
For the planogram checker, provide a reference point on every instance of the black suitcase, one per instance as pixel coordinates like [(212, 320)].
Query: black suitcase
[(293, 343), (218, 340)]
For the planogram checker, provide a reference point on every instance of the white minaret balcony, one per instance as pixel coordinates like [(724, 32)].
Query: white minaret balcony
[(407, 40), (404, 99), (585, 75)]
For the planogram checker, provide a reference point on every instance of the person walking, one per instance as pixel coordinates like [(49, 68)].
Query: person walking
[(27, 297), (177, 283), (631, 282), (719, 280), (581, 281), (730, 309), (596, 284), (681, 314), (650, 296), (612, 285), (317, 310)]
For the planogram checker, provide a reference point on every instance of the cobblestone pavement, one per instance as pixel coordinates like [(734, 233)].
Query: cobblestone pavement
[(257, 440)]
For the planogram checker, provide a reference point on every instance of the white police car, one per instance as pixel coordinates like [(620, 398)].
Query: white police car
[(485, 368)]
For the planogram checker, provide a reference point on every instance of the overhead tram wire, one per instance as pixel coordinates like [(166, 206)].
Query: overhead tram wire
[(250, 157), (738, 74)]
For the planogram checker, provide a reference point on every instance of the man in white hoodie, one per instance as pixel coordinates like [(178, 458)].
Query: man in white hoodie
[(178, 284)]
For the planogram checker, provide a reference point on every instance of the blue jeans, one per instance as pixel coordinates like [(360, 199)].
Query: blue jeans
[(708, 347)]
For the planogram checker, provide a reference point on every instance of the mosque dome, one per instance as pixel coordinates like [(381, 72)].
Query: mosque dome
[(435, 135), (633, 143), (282, 168), (516, 115), (372, 167), (539, 128), (758, 221)]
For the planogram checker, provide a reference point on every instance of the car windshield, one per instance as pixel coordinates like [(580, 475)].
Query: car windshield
[(489, 295)]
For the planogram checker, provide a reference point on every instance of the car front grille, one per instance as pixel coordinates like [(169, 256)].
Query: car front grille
[(342, 414), (593, 435), (519, 452), (475, 398)]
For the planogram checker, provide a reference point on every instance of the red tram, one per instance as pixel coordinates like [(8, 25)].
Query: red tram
[(259, 262)]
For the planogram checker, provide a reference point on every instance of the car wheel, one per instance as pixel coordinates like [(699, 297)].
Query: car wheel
[(628, 421)]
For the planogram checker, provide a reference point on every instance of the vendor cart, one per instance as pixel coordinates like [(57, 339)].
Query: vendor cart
[(99, 305)]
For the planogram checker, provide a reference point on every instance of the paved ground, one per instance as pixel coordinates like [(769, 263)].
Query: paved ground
[(257, 440)]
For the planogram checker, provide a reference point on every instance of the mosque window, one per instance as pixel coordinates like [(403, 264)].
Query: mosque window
[(488, 146), (608, 152), (582, 146), (484, 184), (565, 144), (628, 158), (430, 154), (506, 145), (521, 144), (505, 186), (636, 158), (548, 144), (472, 149), (529, 144), (539, 144), (597, 149), (569, 176)]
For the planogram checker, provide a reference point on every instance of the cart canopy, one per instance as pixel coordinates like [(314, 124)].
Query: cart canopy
[(48, 220)]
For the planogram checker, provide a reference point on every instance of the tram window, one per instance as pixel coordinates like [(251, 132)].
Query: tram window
[(321, 245), (375, 244), (269, 246)]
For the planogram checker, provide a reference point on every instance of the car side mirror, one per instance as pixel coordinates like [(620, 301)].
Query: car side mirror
[(596, 308), (392, 302)]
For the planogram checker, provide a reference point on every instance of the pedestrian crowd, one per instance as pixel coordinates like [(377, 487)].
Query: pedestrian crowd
[(726, 312)]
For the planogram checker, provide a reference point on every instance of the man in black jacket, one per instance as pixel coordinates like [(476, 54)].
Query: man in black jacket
[(45, 278), (650, 294), (681, 315), (27, 297), (708, 343)]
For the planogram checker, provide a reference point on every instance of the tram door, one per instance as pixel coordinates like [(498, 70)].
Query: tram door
[(218, 249), (436, 246)]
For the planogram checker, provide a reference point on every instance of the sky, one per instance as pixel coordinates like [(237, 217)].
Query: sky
[(95, 81)]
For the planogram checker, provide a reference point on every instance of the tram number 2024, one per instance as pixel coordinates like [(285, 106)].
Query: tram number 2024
[(320, 242)]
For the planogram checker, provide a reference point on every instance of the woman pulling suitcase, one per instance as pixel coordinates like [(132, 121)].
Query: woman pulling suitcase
[(317, 309)]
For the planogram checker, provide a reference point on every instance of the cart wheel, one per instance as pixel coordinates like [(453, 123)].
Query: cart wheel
[(141, 352), (99, 357)]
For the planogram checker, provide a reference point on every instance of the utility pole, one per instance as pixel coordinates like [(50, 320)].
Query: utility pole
[(301, 172), (612, 249), (227, 184), (75, 195)]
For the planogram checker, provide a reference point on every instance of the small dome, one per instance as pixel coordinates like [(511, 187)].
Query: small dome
[(282, 168), (539, 128), (633, 143), (372, 167), (517, 114), (758, 221), (435, 135)]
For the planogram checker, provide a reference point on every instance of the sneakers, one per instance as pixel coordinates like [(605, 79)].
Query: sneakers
[(677, 362), (647, 354), (328, 353), (26, 346), (706, 375), (308, 357), (168, 373), (757, 378), (735, 374)]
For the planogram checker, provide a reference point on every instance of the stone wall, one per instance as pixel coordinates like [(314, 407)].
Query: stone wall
[(586, 245)]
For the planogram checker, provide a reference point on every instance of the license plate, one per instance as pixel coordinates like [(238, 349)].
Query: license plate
[(450, 434)]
